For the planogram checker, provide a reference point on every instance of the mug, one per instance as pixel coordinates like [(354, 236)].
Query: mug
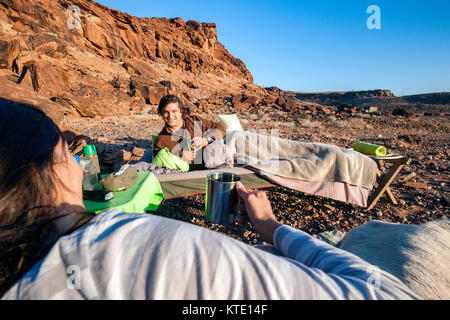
[(222, 201)]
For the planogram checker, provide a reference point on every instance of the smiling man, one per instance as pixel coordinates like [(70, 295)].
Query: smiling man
[(184, 135)]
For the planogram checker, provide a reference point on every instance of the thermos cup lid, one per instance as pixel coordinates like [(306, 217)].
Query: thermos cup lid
[(89, 150)]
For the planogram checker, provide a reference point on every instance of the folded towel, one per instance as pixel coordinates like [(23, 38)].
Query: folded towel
[(369, 149)]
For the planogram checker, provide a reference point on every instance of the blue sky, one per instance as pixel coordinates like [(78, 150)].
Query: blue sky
[(316, 46)]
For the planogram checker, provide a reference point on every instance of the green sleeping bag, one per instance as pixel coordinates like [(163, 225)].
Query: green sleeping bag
[(369, 149)]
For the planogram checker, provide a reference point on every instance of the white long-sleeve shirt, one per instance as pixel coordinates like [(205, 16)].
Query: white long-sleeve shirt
[(133, 256)]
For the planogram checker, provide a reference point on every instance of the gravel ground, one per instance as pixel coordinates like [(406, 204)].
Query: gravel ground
[(422, 188)]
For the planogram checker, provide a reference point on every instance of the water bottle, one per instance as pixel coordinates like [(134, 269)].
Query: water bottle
[(90, 151), (90, 177)]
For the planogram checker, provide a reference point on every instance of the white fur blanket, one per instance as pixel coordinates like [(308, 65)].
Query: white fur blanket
[(418, 255), (313, 162)]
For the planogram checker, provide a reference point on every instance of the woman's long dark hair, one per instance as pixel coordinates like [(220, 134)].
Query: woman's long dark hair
[(27, 142)]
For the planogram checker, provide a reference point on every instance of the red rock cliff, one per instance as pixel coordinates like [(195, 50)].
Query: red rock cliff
[(94, 60)]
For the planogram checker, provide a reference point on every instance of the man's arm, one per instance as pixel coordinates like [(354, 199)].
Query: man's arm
[(172, 141), (156, 147)]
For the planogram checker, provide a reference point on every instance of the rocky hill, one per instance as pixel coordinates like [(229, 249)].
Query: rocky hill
[(337, 98), (93, 60), (90, 60), (442, 98), (434, 102)]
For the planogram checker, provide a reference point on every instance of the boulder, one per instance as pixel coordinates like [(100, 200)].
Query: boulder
[(76, 144), (140, 67), (138, 152), (348, 108), (288, 103), (243, 101), (126, 155), (44, 77), (13, 92), (252, 100), (269, 99), (241, 106), (236, 99), (9, 52), (112, 156), (324, 109), (152, 93), (401, 112), (171, 88), (415, 185)]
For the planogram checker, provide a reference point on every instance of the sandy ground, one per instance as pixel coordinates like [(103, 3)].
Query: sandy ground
[(426, 139)]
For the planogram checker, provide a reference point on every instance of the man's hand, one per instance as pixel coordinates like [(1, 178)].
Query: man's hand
[(188, 156), (199, 143), (258, 209)]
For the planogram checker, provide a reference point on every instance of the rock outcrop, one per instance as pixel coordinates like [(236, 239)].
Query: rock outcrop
[(15, 93), (97, 61), (339, 98)]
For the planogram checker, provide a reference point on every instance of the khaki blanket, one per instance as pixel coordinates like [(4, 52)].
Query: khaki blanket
[(314, 162)]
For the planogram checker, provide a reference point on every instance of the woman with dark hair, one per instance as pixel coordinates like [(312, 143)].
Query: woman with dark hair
[(40, 189), (51, 249), (179, 125)]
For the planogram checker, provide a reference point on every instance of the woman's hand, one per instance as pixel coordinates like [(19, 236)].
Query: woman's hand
[(199, 143), (258, 209)]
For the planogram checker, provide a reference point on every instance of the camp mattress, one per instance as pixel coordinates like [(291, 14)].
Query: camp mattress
[(176, 185)]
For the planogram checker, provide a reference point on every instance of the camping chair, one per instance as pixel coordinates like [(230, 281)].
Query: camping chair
[(385, 180)]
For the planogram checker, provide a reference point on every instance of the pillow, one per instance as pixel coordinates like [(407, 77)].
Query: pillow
[(231, 122)]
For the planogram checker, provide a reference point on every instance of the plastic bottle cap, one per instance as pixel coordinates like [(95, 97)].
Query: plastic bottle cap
[(89, 150)]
